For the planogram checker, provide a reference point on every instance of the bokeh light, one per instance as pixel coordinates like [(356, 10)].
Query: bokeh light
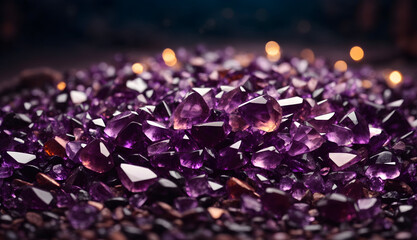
[(308, 55), (61, 86), (137, 68), (395, 78), (168, 55), (272, 48), (340, 66), (357, 53)]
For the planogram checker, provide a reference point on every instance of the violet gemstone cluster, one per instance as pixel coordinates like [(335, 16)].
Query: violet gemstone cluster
[(219, 146)]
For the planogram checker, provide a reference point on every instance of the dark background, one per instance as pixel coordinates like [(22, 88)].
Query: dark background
[(66, 34)]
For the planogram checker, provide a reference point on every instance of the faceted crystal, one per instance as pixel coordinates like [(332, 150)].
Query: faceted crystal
[(232, 99), (193, 109), (117, 123), (21, 158), (131, 136), (295, 105), (136, 178), (156, 131), (55, 147), (355, 122), (389, 170), (305, 139), (232, 157), (263, 113), (343, 160), (193, 160), (96, 157), (342, 136), (208, 134), (35, 198), (395, 123), (267, 158)]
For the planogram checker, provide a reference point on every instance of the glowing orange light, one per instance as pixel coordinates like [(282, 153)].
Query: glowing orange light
[(395, 78), (308, 55), (168, 55), (272, 48), (137, 68), (366, 83), (357, 53), (61, 86), (340, 66)]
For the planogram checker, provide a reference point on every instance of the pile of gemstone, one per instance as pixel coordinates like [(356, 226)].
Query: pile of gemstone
[(220, 146)]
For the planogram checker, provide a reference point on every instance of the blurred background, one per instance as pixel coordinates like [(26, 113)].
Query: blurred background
[(72, 34)]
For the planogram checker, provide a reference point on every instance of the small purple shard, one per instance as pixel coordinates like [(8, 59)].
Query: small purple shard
[(267, 158), (136, 178)]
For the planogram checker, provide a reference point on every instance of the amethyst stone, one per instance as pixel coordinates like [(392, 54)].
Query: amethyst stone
[(267, 158), (355, 122), (337, 207), (136, 178), (263, 113), (82, 216), (193, 109), (209, 134), (96, 157)]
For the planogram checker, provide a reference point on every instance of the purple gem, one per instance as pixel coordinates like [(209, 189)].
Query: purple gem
[(314, 181), (100, 191), (389, 170), (193, 109), (159, 147), (131, 136), (156, 131), (305, 139), (162, 112), (250, 204), (322, 122), (395, 123), (169, 160), (136, 178), (267, 158), (355, 122), (343, 160), (275, 201), (82, 216), (232, 99), (295, 105), (96, 157), (232, 157), (208, 134), (367, 208), (342, 136), (35, 198), (193, 160), (336, 207), (72, 149), (116, 124), (263, 113)]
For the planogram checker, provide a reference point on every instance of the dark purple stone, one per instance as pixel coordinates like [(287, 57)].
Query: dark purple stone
[(36, 198), (355, 122), (267, 158), (136, 178), (209, 134), (336, 207), (275, 201)]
